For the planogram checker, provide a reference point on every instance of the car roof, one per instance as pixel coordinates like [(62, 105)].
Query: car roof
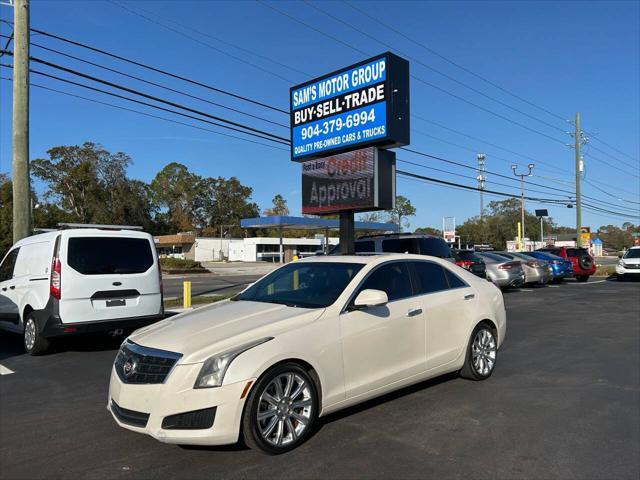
[(79, 232), (370, 259)]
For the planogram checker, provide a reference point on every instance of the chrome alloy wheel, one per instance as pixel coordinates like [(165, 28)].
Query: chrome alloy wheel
[(285, 409), (483, 352), (29, 334)]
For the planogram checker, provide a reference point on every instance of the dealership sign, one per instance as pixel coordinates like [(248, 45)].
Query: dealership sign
[(359, 180), (366, 104)]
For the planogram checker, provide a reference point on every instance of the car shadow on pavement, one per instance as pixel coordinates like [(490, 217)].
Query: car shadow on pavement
[(374, 402), (10, 345)]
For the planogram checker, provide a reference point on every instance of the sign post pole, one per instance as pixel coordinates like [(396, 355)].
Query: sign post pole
[(347, 233)]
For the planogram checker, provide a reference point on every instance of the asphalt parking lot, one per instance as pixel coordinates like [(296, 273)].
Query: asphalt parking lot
[(563, 402)]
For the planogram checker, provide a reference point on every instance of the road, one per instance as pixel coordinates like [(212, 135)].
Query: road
[(563, 403), (206, 284)]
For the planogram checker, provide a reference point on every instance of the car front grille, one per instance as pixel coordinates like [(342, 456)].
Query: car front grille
[(130, 417), (143, 365)]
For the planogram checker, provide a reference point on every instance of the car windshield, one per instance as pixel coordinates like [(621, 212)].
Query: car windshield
[(576, 252), (303, 284), (632, 253)]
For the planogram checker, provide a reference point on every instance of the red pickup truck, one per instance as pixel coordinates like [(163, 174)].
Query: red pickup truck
[(583, 264)]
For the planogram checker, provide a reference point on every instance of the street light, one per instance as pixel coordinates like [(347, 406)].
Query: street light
[(514, 167)]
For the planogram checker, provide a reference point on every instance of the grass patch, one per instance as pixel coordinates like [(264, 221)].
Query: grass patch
[(199, 300), (605, 271)]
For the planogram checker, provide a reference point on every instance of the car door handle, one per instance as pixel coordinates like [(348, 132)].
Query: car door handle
[(4, 289), (12, 287), (469, 297), (413, 312)]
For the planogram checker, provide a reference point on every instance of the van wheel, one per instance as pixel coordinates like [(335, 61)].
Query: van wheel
[(34, 343)]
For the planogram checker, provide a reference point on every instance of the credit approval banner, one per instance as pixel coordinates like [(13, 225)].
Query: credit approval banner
[(366, 104), (359, 180)]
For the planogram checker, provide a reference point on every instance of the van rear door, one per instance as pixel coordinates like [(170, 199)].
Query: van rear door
[(107, 276)]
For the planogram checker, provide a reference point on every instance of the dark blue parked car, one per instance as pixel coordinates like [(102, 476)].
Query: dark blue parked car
[(560, 267)]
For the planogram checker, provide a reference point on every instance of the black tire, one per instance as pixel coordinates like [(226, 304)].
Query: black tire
[(251, 427), (582, 278), (557, 280), (469, 370), (32, 340), (621, 278), (585, 262)]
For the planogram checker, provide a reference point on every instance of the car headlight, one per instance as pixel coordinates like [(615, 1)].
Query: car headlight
[(621, 263), (213, 370)]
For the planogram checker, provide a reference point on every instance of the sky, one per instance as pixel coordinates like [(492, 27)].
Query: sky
[(565, 57)]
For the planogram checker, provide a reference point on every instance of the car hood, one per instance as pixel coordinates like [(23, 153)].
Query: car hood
[(204, 332)]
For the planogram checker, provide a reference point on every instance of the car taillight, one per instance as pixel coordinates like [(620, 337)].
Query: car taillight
[(509, 266), (464, 264), (55, 284)]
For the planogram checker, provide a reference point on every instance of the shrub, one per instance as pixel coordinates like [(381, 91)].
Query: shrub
[(179, 263)]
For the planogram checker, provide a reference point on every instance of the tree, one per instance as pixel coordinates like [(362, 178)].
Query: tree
[(429, 231), (402, 210), (279, 207), (372, 217), (88, 184), (226, 201), (178, 192)]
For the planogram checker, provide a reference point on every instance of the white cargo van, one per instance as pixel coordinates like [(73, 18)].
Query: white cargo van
[(79, 280)]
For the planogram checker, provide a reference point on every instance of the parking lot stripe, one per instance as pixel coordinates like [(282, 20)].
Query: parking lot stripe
[(588, 283), (553, 286), (5, 371), (525, 290)]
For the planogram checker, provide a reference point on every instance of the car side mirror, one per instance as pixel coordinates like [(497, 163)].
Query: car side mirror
[(370, 298), (619, 256)]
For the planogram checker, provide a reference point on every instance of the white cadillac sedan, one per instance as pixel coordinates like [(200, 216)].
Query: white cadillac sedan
[(310, 338)]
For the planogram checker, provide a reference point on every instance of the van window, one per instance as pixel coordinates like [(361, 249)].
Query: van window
[(400, 245), (365, 246), (436, 247), (6, 269), (109, 255)]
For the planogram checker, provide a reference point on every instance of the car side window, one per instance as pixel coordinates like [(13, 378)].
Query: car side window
[(431, 277), (8, 265), (391, 278), (454, 280)]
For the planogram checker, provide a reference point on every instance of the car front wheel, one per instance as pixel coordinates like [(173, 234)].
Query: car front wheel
[(281, 410), (34, 343), (481, 354)]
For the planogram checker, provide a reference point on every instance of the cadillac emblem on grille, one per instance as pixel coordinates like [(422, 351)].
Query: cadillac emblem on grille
[(129, 367)]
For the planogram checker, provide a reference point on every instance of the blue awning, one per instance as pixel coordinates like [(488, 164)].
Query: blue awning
[(310, 223)]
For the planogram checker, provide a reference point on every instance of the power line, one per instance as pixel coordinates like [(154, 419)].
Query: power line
[(156, 70), (598, 159), (429, 67), (607, 193), (119, 107), (448, 60), (157, 99), (610, 146), (140, 79), (213, 37), (503, 194), (421, 80), (208, 45), (615, 158), (150, 105)]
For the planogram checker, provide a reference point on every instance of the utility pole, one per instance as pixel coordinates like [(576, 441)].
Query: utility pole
[(481, 182), (514, 167), (20, 138), (578, 140)]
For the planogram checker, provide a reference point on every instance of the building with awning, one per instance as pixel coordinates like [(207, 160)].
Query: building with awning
[(286, 246)]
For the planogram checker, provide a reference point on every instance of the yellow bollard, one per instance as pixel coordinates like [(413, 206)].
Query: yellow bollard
[(186, 294)]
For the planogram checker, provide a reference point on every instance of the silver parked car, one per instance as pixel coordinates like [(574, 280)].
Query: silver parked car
[(535, 270), (503, 272)]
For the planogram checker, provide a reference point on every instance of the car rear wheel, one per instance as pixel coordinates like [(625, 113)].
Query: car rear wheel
[(281, 410), (34, 343), (481, 354), (582, 278)]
